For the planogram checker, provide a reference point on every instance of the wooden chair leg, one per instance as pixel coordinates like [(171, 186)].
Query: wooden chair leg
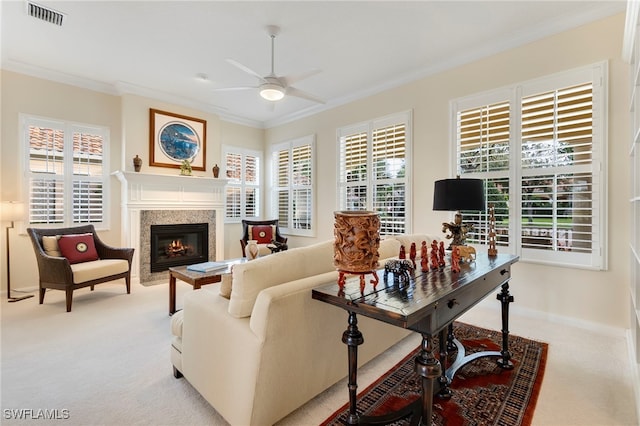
[(69, 297), (128, 282), (42, 292), (93, 287)]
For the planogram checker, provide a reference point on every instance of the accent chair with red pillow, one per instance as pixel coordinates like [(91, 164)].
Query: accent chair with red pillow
[(73, 258), (265, 232)]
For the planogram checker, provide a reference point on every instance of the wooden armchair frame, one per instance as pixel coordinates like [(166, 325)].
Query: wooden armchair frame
[(245, 232), (56, 272)]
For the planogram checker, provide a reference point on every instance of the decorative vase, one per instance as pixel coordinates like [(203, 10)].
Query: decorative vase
[(357, 240), (137, 163), (252, 249), (216, 171)]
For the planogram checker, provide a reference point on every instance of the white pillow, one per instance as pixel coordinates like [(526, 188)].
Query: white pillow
[(50, 245)]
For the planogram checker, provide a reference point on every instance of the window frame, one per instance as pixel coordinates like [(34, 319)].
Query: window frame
[(597, 74), (289, 146), (401, 118), (67, 177), (243, 185)]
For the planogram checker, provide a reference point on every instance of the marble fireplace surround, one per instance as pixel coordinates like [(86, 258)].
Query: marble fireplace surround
[(153, 199)]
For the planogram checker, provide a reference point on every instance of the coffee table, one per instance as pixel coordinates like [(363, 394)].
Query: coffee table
[(196, 279)]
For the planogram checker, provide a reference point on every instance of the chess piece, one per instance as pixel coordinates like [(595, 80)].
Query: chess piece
[(441, 261), (403, 253), (492, 251), (412, 254), (455, 259), (424, 262), (434, 255)]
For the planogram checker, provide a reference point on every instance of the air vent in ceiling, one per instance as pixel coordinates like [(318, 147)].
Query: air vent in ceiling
[(44, 13)]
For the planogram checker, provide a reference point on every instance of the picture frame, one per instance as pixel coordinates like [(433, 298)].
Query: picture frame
[(174, 138)]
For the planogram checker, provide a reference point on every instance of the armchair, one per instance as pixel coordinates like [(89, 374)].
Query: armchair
[(73, 272), (266, 232)]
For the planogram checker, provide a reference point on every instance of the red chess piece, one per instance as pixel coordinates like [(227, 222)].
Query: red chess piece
[(403, 254), (434, 255), (424, 263), (412, 254), (441, 261), (455, 259)]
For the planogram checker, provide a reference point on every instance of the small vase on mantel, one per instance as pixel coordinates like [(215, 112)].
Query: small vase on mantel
[(216, 171), (137, 163), (252, 249)]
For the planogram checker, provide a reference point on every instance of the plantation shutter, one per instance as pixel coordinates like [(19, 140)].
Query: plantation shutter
[(293, 185), (353, 171), (540, 147), (242, 168), (389, 164), (483, 137), (66, 172), (372, 170), (557, 169)]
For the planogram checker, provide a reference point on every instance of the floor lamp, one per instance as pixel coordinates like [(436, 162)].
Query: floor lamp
[(12, 211)]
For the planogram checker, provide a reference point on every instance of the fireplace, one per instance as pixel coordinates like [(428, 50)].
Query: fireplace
[(178, 244)]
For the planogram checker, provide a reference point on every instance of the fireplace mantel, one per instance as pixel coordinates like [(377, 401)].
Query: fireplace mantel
[(148, 191)]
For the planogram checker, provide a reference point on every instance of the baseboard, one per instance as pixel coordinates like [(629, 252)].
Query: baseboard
[(535, 314), (635, 372)]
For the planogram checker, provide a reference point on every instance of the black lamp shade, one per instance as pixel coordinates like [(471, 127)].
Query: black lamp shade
[(458, 194)]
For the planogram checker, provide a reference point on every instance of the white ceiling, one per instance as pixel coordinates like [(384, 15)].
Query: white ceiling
[(158, 48)]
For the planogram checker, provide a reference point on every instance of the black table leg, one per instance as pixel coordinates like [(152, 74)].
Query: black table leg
[(352, 337), (445, 391), (428, 367), (505, 298)]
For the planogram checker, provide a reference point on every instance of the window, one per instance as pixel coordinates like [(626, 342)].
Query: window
[(66, 172), (293, 178), (540, 148), (372, 170), (242, 168)]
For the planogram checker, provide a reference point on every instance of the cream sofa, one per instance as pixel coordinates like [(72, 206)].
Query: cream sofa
[(270, 347)]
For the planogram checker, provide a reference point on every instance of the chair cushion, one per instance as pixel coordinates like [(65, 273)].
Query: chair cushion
[(78, 247), (263, 234), (50, 245), (87, 271)]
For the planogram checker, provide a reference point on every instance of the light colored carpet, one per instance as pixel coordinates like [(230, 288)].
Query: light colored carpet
[(107, 363)]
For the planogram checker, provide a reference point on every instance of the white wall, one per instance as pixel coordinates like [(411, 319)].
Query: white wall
[(588, 296)]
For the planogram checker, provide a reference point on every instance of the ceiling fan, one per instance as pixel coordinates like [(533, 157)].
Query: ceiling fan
[(273, 87)]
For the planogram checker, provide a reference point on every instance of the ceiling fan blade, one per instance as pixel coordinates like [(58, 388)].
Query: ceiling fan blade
[(291, 79), (245, 69), (304, 95), (230, 89)]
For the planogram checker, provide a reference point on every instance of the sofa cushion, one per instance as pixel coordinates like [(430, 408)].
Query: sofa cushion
[(87, 271), (250, 278), (78, 247), (226, 285), (50, 245), (263, 234)]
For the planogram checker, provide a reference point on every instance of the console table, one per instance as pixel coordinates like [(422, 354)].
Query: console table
[(427, 304)]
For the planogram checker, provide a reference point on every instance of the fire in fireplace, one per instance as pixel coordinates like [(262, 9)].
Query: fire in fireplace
[(180, 244)]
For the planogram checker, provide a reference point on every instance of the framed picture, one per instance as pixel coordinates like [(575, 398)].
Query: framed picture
[(174, 138)]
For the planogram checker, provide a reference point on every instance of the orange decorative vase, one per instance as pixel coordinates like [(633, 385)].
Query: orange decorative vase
[(357, 240)]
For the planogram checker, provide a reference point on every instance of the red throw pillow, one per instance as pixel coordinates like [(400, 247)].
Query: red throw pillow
[(263, 234), (78, 247)]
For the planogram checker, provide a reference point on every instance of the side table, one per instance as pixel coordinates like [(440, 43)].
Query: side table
[(196, 279)]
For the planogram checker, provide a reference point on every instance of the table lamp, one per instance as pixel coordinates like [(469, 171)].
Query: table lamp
[(11, 211), (456, 195)]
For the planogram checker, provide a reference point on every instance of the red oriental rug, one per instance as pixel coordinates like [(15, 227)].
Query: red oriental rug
[(483, 393)]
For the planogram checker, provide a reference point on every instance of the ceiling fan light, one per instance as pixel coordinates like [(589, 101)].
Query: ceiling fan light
[(271, 92)]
